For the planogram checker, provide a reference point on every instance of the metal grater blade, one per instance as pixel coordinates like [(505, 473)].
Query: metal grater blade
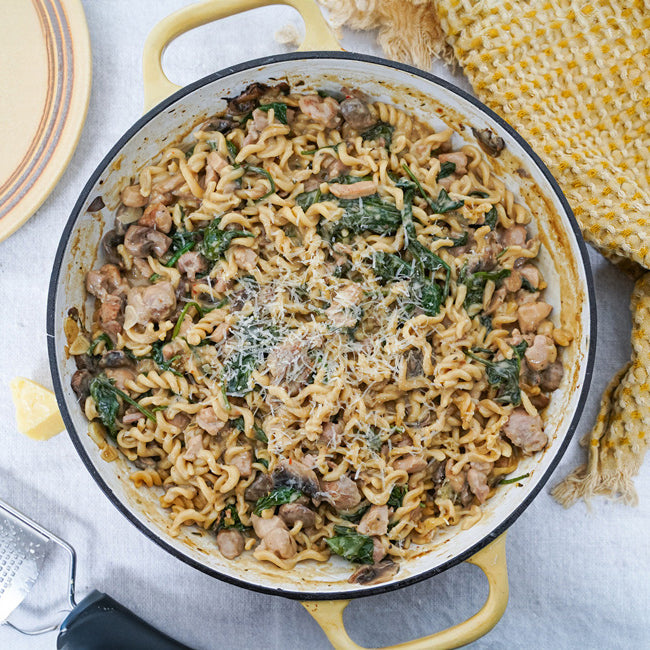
[(22, 553)]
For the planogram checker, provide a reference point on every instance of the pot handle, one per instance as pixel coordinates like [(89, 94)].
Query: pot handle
[(318, 36), (491, 560)]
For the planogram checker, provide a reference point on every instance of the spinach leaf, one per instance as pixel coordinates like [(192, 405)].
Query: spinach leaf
[(481, 195), (355, 517), (462, 240), (229, 519), (365, 214), (105, 394), (232, 151), (491, 217), (506, 481), (391, 268), (525, 284), (262, 172), (306, 199), (397, 495), (349, 179), (106, 402), (379, 131), (182, 242), (255, 341), (351, 545), (442, 204), (475, 283), (279, 110), (189, 152), (237, 373), (373, 439), (154, 277), (216, 241), (278, 497), (238, 423), (259, 434), (159, 359), (102, 337), (486, 321), (262, 461), (427, 295), (504, 374), (447, 168)]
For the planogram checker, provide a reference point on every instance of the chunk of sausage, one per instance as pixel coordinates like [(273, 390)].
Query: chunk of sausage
[(525, 431), (513, 282), (358, 113), (191, 263), (456, 481), (158, 217), (378, 550), (321, 109), (551, 378), (244, 463), (410, 464), (353, 190), (216, 161), (255, 127), (132, 198), (207, 419), (374, 522), (245, 258), (154, 303), (458, 158), (194, 446), (263, 527), (514, 236), (110, 315), (541, 353), (280, 543), (141, 241), (341, 313), (80, 384), (331, 433), (291, 513), (531, 314), (531, 273), (477, 476), (106, 281), (230, 542), (343, 494)]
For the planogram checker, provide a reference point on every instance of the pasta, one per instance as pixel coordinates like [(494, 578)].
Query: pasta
[(319, 330)]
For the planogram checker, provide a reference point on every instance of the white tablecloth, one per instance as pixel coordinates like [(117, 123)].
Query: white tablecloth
[(577, 578)]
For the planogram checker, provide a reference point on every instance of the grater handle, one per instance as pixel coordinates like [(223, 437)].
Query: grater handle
[(100, 623)]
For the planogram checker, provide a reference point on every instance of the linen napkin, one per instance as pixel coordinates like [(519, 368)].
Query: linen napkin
[(574, 79)]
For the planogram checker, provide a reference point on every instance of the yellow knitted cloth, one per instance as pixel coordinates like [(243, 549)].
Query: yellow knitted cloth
[(574, 79)]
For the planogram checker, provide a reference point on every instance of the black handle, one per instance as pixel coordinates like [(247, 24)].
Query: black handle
[(100, 623)]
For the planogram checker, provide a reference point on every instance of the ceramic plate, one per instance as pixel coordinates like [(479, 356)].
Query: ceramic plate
[(45, 78)]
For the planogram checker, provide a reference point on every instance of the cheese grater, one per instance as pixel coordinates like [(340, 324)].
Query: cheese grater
[(96, 623)]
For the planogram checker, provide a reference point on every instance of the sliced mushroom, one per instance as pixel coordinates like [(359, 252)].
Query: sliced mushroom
[(259, 488), (375, 574), (141, 241), (296, 475), (291, 513), (491, 143)]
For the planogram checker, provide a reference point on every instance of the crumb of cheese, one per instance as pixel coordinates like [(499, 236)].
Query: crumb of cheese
[(37, 413)]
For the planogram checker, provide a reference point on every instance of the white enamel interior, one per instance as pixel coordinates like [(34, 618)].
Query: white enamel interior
[(566, 278)]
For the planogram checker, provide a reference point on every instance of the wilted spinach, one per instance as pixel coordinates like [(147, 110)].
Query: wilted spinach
[(105, 395), (397, 495), (182, 242), (159, 359), (278, 497), (440, 205), (216, 241), (365, 214), (229, 519), (447, 168), (527, 286), (307, 199), (279, 110), (475, 283), (102, 337), (355, 517), (379, 131), (351, 545), (504, 374)]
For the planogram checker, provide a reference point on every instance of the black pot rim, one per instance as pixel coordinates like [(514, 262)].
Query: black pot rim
[(56, 378)]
